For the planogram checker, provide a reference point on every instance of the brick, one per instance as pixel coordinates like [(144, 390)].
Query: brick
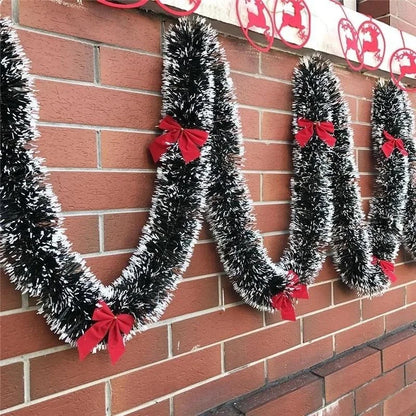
[(393, 299), (126, 150), (25, 332), (158, 409), (10, 298), (319, 298), (400, 318), (247, 349), (360, 334), (131, 29), (332, 320), (193, 296), (375, 8), (139, 71), (82, 231), (397, 348), (411, 293), (410, 371), (6, 8), (342, 293), (405, 272), (263, 93), (63, 147), (327, 272), (235, 49), (68, 103), (46, 371), (362, 135), (253, 183), (342, 407), (60, 58), (298, 396), (108, 268), (144, 385), (365, 161), (377, 390), (402, 403), (375, 411), (364, 110), (278, 64), (11, 383), (366, 183), (205, 260), (271, 218), (79, 191), (250, 122), (218, 391), (346, 373), (276, 187), (213, 327), (299, 359), (275, 126), (89, 401), (268, 156), (275, 245), (355, 84), (123, 231), (352, 105), (228, 294)]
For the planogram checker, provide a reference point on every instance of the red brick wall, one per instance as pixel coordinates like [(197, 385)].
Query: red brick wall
[(397, 13), (98, 84)]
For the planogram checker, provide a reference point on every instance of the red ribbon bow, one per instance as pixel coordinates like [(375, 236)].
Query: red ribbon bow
[(284, 300), (322, 128), (189, 140), (106, 323), (391, 143), (387, 267)]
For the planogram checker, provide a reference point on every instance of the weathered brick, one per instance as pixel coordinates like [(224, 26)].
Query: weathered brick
[(296, 360), (11, 383), (163, 378), (213, 327), (46, 371), (298, 396), (377, 390), (346, 373), (246, 349), (89, 401), (332, 320), (226, 388)]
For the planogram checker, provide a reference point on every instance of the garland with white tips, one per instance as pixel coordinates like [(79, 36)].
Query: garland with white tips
[(36, 254)]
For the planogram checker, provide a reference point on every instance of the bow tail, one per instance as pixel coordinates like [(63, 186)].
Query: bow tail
[(159, 146), (387, 148), (303, 136), (87, 342), (115, 342)]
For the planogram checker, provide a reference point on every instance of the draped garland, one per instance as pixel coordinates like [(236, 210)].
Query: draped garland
[(200, 170), (34, 250)]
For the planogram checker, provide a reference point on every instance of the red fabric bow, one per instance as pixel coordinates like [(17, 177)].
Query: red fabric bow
[(322, 128), (387, 267), (284, 300), (391, 143), (106, 323), (189, 140)]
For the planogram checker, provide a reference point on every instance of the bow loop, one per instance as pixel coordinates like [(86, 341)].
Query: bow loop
[(189, 140), (284, 300), (392, 143), (323, 129), (387, 267), (106, 324)]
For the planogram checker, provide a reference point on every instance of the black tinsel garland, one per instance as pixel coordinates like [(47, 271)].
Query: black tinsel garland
[(35, 252)]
